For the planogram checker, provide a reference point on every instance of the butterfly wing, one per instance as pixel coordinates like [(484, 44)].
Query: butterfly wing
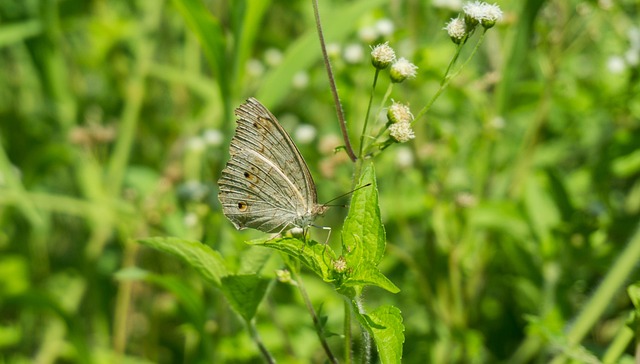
[(266, 184)]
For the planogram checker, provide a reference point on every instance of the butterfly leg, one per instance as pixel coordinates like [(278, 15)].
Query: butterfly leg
[(326, 242), (279, 233)]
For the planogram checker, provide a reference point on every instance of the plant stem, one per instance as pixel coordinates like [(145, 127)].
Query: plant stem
[(619, 345), (314, 316), (366, 337), (332, 84), (256, 338), (347, 332), (448, 77), (366, 118)]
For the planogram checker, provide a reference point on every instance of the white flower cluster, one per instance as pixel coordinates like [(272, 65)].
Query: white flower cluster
[(631, 58), (383, 56), (483, 13), (477, 12), (400, 117)]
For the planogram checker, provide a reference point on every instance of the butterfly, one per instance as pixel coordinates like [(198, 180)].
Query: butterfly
[(266, 184)]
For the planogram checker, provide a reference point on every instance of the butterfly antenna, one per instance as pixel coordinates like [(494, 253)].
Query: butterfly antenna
[(345, 194)]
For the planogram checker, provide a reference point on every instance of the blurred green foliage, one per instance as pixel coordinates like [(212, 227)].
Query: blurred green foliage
[(511, 218)]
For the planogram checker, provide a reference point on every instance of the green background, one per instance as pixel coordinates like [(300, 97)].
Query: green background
[(503, 216)]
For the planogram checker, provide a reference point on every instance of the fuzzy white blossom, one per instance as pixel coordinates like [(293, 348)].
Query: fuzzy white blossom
[(340, 264), (401, 70), (399, 113), (457, 30), (382, 55), (481, 12), (401, 132)]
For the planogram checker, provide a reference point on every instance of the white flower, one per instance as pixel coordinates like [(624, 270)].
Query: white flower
[(255, 68), (497, 123), (401, 132), (212, 137), (367, 34), (340, 264), (632, 56), (474, 10), (284, 276), (399, 113), (384, 27), (382, 55), (481, 12), (273, 57), (605, 4), (196, 144), (333, 50), (492, 14), (305, 133), (190, 220), (456, 29), (447, 4), (353, 53), (466, 199), (616, 64), (404, 157), (634, 37), (300, 80), (402, 69)]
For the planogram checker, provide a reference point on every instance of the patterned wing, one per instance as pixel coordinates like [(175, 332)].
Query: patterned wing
[(266, 184), (254, 194)]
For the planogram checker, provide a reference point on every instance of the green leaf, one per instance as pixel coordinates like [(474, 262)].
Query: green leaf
[(368, 275), (205, 260), (363, 236), (253, 260), (244, 293), (634, 294), (385, 326), (316, 256)]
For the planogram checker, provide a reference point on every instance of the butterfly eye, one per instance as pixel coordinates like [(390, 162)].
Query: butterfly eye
[(242, 206)]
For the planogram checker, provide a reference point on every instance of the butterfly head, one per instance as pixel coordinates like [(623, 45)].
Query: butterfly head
[(306, 219)]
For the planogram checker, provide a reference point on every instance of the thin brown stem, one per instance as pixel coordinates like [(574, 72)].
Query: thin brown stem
[(314, 316), (332, 85)]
